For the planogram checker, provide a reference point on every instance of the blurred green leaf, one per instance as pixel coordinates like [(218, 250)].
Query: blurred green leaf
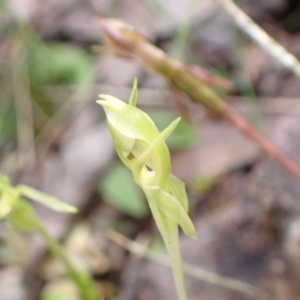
[(45, 199), (7, 123), (23, 217), (119, 189), (182, 137), (57, 63), (2, 4), (202, 185)]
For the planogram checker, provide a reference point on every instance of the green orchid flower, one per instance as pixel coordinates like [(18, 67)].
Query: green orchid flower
[(22, 216), (11, 202), (142, 148)]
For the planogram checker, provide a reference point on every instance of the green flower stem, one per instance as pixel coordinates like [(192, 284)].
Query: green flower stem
[(83, 281), (169, 231)]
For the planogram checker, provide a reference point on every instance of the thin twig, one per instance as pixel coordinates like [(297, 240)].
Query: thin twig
[(271, 46), (192, 271)]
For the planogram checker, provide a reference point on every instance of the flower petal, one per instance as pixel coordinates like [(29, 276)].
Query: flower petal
[(129, 120), (170, 206), (177, 189), (8, 196), (45, 199), (128, 123)]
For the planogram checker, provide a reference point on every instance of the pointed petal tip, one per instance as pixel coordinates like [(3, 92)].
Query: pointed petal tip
[(104, 96), (104, 100), (73, 210), (195, 236), (103, 103), (109, 28), (101, 22), (190, 230), (192, 234)]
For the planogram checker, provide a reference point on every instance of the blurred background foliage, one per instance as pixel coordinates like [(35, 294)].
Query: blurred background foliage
[(37, 79), (53, 136)]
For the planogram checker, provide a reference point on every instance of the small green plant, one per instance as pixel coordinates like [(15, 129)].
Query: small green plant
[(21, 215), (143, 150)]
